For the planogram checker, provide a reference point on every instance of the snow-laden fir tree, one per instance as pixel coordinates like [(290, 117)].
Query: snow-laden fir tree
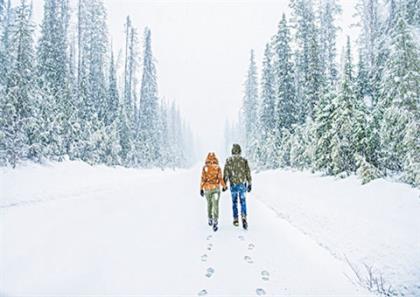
[(250, 111), (368, 11), (112, 100), (287, 108), (93, 42), (413, 12), (283, 153), (328, 11), (148, 117), (5, 50), (53, 78), (268, 112), (308, 66), (300, 146), (411, 165), (130, 71), (323, 133), (343, 121), (400, 94), (20, 121)]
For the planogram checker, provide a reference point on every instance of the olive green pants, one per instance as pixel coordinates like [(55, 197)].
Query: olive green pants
[(212, 197)]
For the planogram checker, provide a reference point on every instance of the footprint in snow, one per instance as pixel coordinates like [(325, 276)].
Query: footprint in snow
[(210, 272), (265, 275), (209, 246), (202, 292), (260, 291), (241, 238), (204, 258), (209, 237), (248, 259), (251, 246)]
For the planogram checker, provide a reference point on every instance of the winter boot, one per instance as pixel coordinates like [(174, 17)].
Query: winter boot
[(210, 222), (235, 222), (244, 223), (215, 227)]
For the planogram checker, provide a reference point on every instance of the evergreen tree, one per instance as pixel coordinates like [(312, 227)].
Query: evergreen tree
[(20, 129), (287, 105), (268, 112), (323, 133), (130, 71), (149, 108), (413, 12), (411, 143), (5, 46), (250, 111), (362, 81), (309, 72), (112, 102), (93, 41), (342, 142), (328, 11), (400, 93), (53, 80)]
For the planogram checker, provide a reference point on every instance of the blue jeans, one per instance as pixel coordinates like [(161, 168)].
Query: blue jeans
[(238, 191)]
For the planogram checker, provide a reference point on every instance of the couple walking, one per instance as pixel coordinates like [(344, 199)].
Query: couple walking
[(237, 173)]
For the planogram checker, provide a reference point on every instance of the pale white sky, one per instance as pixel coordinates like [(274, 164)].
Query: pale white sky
[(202, 50)]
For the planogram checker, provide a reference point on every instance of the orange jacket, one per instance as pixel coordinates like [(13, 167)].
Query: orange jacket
[(211, 176)]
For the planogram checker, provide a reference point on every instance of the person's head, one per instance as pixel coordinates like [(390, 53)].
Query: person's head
[(236, 149), (211, 159)]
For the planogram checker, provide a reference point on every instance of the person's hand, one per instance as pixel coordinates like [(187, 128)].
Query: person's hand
[(249, 188), (224, 189), (202, 193)]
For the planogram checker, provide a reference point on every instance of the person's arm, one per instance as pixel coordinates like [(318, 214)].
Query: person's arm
[(226, 172), (222, 182), (248, 173), (203, 180)]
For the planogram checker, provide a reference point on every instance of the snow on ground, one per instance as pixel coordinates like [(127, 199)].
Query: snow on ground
[(116, 231), (377, 224)]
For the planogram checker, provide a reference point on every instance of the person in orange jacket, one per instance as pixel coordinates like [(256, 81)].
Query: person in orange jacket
[(211, 180)]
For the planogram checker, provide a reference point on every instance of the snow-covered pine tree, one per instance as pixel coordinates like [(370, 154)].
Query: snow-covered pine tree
[(362, 82), (411, 143), (300, 146), (2, 9), (342, 141), (5, 49), (365, 170), (109, 147), (323, 120), (19, 126), (368, 11), (112, 102), (165, 154), (268, 111), (53, 77), (283, 154), (5, 66), (328, 11), (128, 102), (308, 67), (287, 103), (250, 111), (125, 138), (149, 108), (92, 31), (131, 65), (413, 12), (400, 93)]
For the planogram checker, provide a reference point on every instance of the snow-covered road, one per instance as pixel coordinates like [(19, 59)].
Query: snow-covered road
[(146, 235)]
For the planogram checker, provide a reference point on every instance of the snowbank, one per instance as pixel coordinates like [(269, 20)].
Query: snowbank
[(69, 179), (377, 224)]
